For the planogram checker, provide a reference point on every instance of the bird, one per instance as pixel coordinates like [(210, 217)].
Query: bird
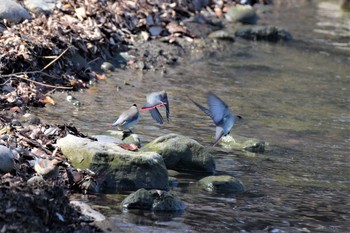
[(46, 168), (154, 100), (220, 114), (127, 120)]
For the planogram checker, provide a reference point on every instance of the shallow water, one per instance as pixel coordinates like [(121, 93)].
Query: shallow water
[(293, 95)]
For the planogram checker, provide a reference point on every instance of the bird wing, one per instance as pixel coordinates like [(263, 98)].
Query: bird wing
[(167, 106), (205, 110), (156, 115), (127, 116), (217, 107)]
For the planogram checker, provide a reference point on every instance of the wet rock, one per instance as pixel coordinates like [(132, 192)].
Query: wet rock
[(345, 5), (86, 210), (107, 66), (130, 138), (182, 153), (225, 183), (12, 11), (106, 138), (6, 159), (118, 169), (153, 200), (242, 13), (222, 35), (267, 33), (38, 6), (243, 143), (201, 26)]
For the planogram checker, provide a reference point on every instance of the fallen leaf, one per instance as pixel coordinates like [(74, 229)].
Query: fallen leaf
[(100, 76), (131, 147), (47, 100)]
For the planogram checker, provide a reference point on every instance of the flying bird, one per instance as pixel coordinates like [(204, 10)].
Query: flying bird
[(220, 114), (127, 119), (155, 100)]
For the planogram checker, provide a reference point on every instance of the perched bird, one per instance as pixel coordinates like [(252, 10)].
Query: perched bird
[(220, 114), (46, 168), (127, 119), (154, 100)]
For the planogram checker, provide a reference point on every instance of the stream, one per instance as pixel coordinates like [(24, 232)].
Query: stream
[(294, 95)]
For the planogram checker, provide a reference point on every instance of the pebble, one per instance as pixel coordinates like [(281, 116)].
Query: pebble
[(107, 66), (6, 159)]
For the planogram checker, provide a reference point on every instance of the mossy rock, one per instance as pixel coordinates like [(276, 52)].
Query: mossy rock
[(153, 200), (118, 169), (182, 153), (224, 184)]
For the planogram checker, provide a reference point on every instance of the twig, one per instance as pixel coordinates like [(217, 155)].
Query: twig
[(21, 76), (54, 60)]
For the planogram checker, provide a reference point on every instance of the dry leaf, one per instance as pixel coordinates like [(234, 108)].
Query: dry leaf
[(47, 100), (100, 76)]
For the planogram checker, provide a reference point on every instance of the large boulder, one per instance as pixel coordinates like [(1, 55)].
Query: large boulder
[(153, 200), (12, 11), (222, 184), (118, 169), (182, 153)]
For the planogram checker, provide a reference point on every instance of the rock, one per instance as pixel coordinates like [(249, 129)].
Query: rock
[(242, 13), (182, 153), (107, 66), (118, 169), (6, 159), (243, 143), (38, 6), (224, 183), (35, 180), (86, 210), (106, 138), (222, 35), (345, 5), (12, 11), (153, 200), (268, 33), (130, 139)]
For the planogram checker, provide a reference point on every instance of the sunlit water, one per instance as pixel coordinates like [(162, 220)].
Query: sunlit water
[(293, 95)]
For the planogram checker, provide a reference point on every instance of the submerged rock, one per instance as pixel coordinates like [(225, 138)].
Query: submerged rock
[(182, 153), (153, 200), (118, 169), (243, 143), (268, 33), (225, 183)]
